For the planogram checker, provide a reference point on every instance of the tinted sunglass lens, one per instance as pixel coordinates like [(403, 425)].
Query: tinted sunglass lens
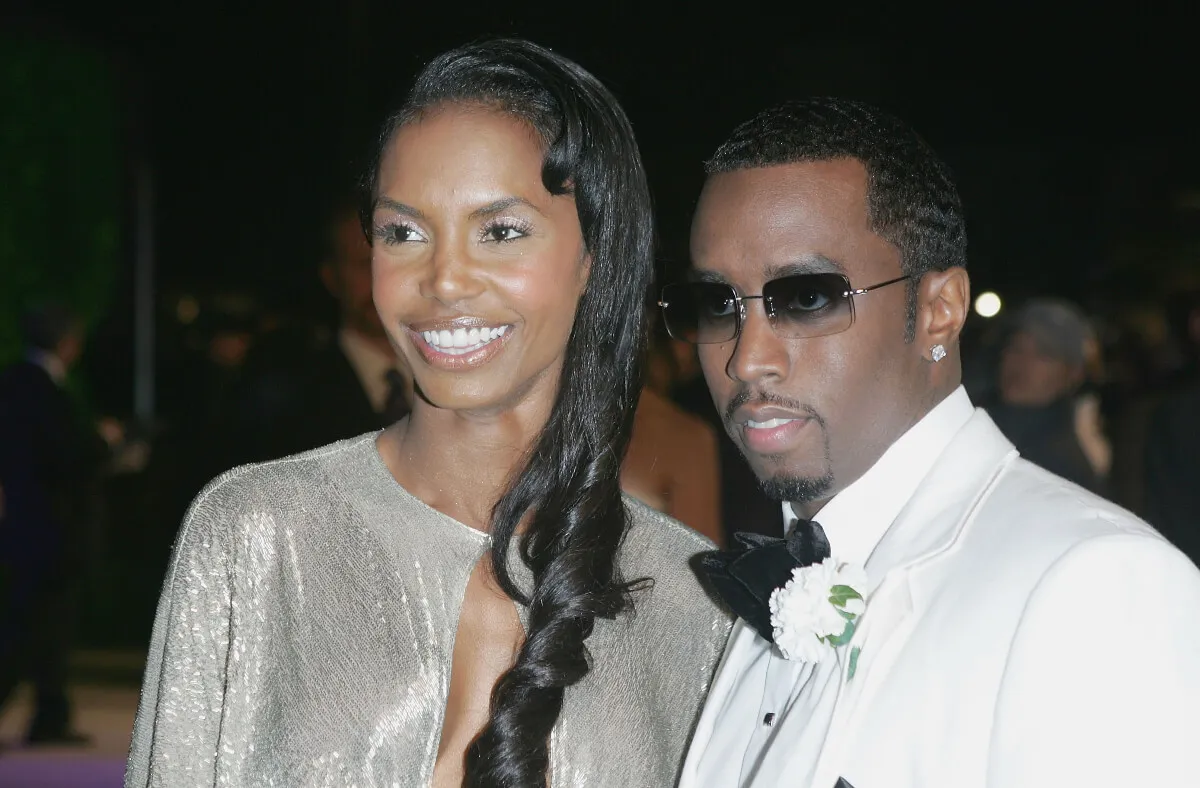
[(809, 304), (700, 312)]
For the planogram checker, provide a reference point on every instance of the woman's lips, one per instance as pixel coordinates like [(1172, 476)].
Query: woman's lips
[(458, 347)]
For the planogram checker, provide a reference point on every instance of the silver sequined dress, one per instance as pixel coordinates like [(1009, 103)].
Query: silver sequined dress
[(306, 627)]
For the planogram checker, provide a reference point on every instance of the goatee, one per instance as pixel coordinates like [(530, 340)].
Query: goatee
[(797, 489)]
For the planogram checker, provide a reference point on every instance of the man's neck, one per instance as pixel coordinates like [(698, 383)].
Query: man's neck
[(808, 510)]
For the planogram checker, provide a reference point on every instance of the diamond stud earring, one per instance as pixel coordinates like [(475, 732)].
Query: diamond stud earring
[(937, 352)]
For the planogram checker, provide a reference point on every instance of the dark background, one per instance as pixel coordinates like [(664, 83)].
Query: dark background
[(1072, 139)]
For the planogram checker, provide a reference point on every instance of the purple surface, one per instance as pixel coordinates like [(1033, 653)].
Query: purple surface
[(27, 770)]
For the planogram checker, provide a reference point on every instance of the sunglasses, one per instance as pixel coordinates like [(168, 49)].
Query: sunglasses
[(799, 307)]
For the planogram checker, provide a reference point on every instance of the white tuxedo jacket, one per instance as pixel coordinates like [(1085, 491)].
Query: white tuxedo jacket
[(1025, 633)]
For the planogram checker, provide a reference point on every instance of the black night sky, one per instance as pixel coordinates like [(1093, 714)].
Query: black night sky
[(1072, 142)]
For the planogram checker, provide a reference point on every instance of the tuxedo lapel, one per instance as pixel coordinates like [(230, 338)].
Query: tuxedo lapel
[(928, 527), (942, 504)]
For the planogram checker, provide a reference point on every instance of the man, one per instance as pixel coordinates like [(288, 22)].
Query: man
[(302, 393), (1172, 454), (1043, 368), (1018, 631), (49, 463)]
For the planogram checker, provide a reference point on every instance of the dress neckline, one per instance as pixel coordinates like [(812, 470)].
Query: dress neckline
[(388, 482)]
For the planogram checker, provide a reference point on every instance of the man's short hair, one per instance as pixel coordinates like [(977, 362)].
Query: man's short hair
[(911, 197)]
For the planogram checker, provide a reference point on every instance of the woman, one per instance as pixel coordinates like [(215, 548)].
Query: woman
[(347, 616)]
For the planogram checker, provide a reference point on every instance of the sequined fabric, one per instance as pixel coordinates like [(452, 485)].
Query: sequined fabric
[(306, 626)]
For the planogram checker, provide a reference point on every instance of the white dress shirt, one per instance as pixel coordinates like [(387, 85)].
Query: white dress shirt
[(769, 688), (370, 364)]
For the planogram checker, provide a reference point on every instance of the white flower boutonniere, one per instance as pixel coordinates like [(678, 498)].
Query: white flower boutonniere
[(818, 609)]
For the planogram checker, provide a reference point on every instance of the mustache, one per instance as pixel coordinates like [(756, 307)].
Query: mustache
[(750, 396)]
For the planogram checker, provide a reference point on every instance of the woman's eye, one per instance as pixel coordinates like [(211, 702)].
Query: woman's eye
[(503, 233), (396, 234)]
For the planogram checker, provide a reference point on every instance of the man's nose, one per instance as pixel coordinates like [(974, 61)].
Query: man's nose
[(758, 352)]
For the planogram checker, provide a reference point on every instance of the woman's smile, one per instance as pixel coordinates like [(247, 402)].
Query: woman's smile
[(460, 344)]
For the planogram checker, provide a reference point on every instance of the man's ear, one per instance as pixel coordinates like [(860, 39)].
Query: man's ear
[(943, 300)]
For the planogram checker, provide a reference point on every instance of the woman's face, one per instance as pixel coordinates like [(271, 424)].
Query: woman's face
[(477, 269)]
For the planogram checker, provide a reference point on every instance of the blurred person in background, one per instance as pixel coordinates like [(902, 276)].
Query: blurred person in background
[(672, 463), (50, 464), (225, 334), (307, 391), (1042, 403), (1172, 455), (201, 435)]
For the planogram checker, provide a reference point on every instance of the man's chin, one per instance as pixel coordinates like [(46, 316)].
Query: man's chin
[(796, 488)]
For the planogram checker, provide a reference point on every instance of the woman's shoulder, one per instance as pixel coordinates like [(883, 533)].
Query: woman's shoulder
[(663, 550), (281, 485), (655, 536)]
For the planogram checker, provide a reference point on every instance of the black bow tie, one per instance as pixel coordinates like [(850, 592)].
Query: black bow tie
[(745, 578)]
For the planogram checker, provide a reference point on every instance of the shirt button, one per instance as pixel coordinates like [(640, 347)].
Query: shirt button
[(769, 718)]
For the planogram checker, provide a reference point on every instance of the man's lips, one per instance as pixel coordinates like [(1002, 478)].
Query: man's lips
[(760, 416), (773, 436), (769, 428), (751, 424)]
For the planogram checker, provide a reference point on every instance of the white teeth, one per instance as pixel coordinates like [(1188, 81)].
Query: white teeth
[(462, 340), (768, 424)]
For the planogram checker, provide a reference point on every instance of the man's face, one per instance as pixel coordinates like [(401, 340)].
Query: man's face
[(1032, 377), (811, 415), (348, 278)]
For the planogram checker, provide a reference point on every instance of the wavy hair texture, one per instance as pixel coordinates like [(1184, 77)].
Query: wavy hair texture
[(569, 488)]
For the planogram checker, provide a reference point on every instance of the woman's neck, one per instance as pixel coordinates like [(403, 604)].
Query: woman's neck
[(460, 462)]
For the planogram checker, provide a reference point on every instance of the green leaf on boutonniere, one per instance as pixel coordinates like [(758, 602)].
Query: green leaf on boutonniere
[(854, 652), (840, 595), (843, 638)]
